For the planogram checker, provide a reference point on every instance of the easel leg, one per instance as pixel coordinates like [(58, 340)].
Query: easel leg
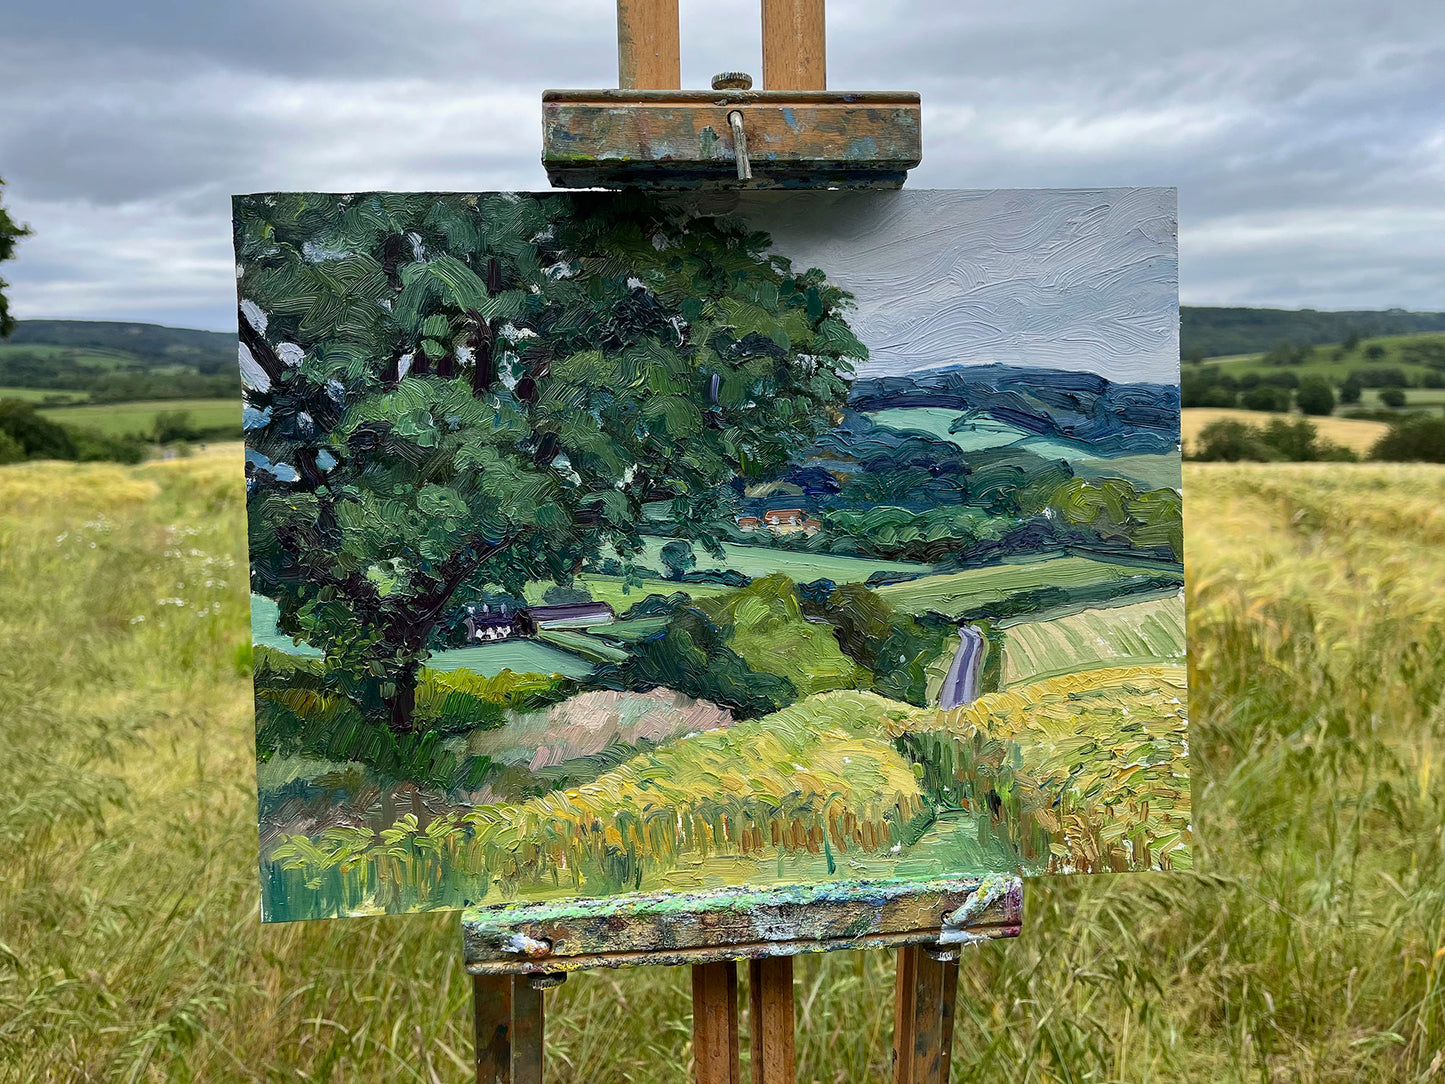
[(923, 1018), (507, 1013), (770, 1000), (526, 1032), (492, 1018), (715, 1023)]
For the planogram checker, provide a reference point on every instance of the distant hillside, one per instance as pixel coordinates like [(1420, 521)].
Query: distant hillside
[(1210, 332), (205, 351)]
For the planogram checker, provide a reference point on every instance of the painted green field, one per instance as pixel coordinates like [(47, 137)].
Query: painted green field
[(518, 656), (584, 644), (757, 561), (1146, 471), (957, 594), (935, 421), (1134, 635), (210, 415)]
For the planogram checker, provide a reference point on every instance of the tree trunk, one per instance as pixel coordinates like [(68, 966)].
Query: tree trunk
[(401, 704)]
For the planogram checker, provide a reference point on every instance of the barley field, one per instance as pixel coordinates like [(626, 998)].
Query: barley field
[(1307, 943)]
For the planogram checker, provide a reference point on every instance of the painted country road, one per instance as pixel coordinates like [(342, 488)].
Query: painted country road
[(960, 687)]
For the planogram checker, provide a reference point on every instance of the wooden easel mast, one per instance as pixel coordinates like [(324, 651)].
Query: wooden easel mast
[(650, 133)]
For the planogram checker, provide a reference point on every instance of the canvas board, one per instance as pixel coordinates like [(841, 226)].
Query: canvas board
[(608, 545)]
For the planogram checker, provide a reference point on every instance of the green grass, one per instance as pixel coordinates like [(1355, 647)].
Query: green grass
[(90, 357), (1306, 948), (981, 433), (1324, 362), (960, 593), (36, 395), (220, 417)]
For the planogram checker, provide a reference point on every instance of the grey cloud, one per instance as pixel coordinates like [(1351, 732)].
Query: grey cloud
[(1305, 137)]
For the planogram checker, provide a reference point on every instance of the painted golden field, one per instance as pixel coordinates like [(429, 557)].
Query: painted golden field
[(1306, 943)]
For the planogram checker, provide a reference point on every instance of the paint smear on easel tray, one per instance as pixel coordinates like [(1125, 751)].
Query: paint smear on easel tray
[(605, 543)]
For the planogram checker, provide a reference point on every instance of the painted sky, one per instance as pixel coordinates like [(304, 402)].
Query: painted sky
[(1305, 136), (1072, 279)]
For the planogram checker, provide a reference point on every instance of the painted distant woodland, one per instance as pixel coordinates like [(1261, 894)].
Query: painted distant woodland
[(603, 543)]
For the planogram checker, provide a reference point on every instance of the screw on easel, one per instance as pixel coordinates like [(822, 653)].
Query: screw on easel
[(740, 145)]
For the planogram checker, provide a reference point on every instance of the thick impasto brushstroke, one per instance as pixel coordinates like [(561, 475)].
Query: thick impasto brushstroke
[(603, 544)]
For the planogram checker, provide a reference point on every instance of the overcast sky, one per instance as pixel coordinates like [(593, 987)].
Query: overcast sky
[(1306, 137), (1058, 278)]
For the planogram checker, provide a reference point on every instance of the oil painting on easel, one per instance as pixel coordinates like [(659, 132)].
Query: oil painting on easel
[(607, 543)]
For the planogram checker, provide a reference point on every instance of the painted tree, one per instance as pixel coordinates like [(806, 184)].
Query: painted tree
[(677, 559), (450, 394)]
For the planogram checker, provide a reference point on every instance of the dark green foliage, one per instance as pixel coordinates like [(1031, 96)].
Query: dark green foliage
[(1430, 353), (1315, 396), (1420, 437), (93, 445), (1350, 389), (1351, 341), (207, 351), (559, 595), (115, 378), (1381, 376), (1114, 511), (1432, 379), (10, 232), (1393, 397), (1231, 441), (894, 646), (1207, 387), (173, 425), (691, 655), (37, 437), (677, 558), (1296, 441), (11, 450), (1219, 331), (1374, 352), (1266, 397), (40, 437), (563, 354), (933, 534), (1286, 353)]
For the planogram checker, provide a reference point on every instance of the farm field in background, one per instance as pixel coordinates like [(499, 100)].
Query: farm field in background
[(957, 594), (119, 419), (1317, 741), (1335, 363), (1357, 434)]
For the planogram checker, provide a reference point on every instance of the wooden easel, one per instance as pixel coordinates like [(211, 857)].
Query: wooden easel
[(793, 133)]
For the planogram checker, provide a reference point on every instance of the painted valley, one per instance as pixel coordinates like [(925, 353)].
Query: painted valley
[(603, 544)]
